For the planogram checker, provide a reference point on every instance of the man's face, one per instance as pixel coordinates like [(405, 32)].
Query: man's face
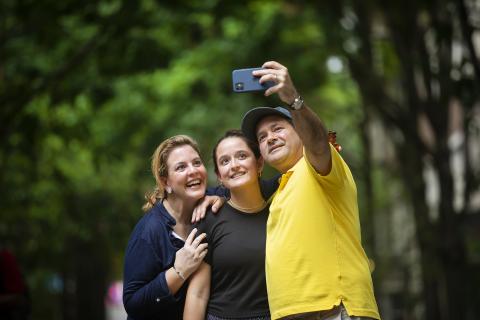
[(279, 143)]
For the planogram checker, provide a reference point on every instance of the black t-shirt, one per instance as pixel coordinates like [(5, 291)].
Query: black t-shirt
[(236, 253)]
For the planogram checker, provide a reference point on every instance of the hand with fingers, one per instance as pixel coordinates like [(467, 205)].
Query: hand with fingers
[(189, 258), (200, 210), (277, 73)]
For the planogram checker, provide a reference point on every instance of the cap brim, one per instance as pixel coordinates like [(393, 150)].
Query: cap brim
[(252, 118)]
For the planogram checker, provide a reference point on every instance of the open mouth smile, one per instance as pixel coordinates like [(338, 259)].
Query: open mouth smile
[(194, 183), (236, 175)]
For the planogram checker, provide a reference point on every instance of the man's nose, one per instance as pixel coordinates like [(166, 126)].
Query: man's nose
[(271, 137)]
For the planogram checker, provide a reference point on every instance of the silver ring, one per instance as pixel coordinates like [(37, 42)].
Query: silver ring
[(275, 76)]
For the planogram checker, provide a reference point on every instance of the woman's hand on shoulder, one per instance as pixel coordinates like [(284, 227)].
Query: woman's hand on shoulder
[(216, 202)]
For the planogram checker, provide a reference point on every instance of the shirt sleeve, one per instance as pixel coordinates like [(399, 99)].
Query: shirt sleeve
[(269, 187), (339, 173), (205, 225), (220, 191), (145, 290)]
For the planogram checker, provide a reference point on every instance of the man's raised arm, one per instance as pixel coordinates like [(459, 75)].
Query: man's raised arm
[(308, 125)]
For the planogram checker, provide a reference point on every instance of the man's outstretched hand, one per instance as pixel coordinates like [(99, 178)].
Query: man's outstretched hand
[(277, 73)]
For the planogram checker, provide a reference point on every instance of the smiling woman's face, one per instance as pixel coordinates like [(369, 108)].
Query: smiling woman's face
[(236, 162), (186, 173)]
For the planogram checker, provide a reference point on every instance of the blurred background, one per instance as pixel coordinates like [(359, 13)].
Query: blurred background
[(88, 89)]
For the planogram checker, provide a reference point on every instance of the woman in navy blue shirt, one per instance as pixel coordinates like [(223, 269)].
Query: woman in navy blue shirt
[(162, 252)]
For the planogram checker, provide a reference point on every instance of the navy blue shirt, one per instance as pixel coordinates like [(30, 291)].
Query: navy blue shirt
[(150, 252)]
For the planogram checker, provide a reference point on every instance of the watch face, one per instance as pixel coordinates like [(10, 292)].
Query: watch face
[(297, 104)]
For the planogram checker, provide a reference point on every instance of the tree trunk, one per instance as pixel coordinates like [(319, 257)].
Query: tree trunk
[(91, 275)]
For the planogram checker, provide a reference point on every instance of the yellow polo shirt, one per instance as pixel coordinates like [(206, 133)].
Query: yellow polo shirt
[(314, 256)]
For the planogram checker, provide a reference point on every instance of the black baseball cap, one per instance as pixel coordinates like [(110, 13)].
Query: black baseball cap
[(253, 117)]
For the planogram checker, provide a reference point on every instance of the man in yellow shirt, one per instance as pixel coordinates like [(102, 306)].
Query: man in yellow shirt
[(316, 267)]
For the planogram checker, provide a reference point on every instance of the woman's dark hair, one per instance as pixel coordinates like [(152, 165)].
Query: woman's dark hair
[(234, 133)]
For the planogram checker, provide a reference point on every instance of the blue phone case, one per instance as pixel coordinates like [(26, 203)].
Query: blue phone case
[(244, 81)]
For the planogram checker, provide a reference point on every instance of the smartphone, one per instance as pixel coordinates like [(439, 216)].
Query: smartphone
[(244, 81)]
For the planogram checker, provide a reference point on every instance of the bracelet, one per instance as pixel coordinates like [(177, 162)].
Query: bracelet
[(179, 274)]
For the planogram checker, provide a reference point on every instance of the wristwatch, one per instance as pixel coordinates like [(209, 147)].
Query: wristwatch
[(297, 104)]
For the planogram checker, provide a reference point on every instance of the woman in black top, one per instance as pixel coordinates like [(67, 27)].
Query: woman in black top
[(162, 252), (232, 278)]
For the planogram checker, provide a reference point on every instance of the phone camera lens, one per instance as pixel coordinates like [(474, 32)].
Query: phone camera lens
[(239, 86)]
